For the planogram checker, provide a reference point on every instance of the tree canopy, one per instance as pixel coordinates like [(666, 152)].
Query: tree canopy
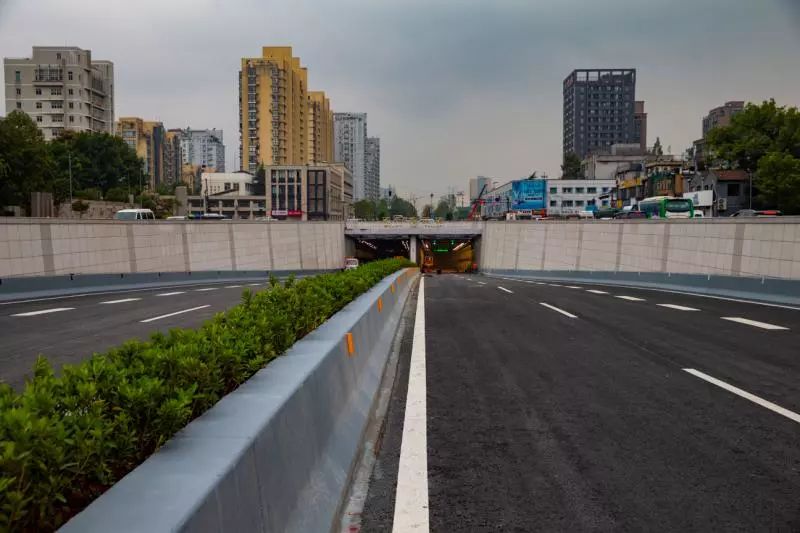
[(571, 168), (24, 162), (764, 139), (371, 210)]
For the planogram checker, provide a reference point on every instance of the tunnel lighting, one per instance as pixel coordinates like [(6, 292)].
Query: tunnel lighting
[(459, 246), (368, 244), (426, 245)]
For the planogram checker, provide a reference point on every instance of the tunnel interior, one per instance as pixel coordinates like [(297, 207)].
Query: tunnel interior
[(431, 253)]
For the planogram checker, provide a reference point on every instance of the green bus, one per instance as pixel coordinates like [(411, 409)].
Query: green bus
[(667, 207)]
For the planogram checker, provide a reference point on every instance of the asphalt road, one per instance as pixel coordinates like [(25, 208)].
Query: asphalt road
[(70, 329), (581, 415)]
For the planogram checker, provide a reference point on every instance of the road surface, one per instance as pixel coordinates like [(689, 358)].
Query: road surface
[(574, 407)]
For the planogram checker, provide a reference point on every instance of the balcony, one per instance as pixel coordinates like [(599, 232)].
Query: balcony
[(48, 76)]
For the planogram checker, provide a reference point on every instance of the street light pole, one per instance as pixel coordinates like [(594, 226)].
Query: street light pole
[(69, 158)]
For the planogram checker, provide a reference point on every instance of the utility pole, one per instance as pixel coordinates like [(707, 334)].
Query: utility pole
[(69, 158)]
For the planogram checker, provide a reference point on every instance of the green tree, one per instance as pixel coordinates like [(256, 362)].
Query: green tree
[(398, 206), (364, 209), (80, 207), (117, 194), (427, 211), (657, 149), (443, 210), (381, 209), (24, 163), (778, 179), (571, 167)]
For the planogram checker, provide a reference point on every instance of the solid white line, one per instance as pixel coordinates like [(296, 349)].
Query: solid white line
[(504, 289), (45, 311), (572, 287), (555, 285), (539, 283), (207, 289), (232, 286), (171, 293), (481, 283), (254, 284), (175, 313), (756, 323), (411, 497), (791, 415), (630, 298), (595, 291), (556, 309), (121, 301), (678, 307), (686, 293)]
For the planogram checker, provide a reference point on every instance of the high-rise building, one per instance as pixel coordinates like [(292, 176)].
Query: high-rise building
[(320, 128), (372, 173), (172, 157), (202, 148), (149, 140), (640, 124), (598, 109), (61, 87), (273, 108), (721, 116), (476, 185), (349, 147)]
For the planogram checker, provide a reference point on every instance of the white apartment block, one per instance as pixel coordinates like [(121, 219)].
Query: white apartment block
[(349, 147), (570, 197), (202, 148), (372, 160), (61, 87)]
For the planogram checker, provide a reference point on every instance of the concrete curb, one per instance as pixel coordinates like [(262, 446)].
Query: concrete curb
[(69, 284), (769, 290), (275, 454)]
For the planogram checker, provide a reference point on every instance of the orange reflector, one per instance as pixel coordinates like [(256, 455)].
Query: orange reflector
[(392, 286), (351, 348), (380, 304)]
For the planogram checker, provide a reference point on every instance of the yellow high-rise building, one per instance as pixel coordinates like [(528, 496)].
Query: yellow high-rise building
[(320, 128), (273, 109)]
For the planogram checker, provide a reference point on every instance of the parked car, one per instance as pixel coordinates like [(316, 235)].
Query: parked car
[(350, 263), (757, 213), (630, 214), (134, 214)]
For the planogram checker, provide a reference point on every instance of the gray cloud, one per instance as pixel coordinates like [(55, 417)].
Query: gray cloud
[(455, 88)]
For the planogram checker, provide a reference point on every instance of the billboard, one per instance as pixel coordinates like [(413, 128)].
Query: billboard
[(528, 195)]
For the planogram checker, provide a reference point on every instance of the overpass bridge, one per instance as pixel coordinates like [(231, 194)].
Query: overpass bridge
[(396, 230)]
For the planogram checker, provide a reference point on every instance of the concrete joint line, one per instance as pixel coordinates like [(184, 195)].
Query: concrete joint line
[(47, 250), (187, 258), (232, 245), (131, 248)]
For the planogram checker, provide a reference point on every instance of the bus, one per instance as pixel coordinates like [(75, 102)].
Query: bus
[(667, 207)]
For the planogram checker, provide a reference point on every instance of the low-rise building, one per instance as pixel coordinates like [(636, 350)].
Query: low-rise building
[(729, 190), (570, 196), (233, 183), (546, 197), (604, 165)]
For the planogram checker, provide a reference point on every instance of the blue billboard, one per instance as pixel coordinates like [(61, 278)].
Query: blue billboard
[(528, 195)]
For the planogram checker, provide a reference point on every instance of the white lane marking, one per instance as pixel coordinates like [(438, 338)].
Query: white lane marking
[(254, 284), (595, 291), (555, 285), (678, 307), (791, 415), (171, 293), (481, 283), (755, 323), (686, 293), (557, 310), (630, 298), (175, 313), (45, 311), (120, 301), (232, 286), (504, 289), (539, 283), (411, 497), (207, 289), (573, 287)]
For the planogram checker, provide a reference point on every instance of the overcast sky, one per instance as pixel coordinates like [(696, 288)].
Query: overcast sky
[(454, 88)]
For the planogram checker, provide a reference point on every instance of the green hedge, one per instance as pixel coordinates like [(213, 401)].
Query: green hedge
[(64, 440)]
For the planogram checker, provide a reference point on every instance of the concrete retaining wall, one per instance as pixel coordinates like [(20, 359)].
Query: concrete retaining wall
[(50, 247), (757, 248), (277, 453)]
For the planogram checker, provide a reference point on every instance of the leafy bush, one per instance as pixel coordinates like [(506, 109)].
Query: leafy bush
[(65, 439)]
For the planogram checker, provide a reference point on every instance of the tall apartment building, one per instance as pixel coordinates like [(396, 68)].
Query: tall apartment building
[(173, 157), (640, 125), (721, 116), (372, 172), (149, 140), (349, 147), (598, 109), (202, 148), (61, 87), (320, 128), (273, 108)]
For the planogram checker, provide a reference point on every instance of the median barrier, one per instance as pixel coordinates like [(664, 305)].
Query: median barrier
[(771, 290), (277, 453)]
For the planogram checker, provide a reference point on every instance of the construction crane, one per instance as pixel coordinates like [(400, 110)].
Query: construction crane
[(474, 213)]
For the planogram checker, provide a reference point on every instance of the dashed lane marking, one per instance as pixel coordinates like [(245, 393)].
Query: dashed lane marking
[(595, 291), (124, 300), (791, 415), (504, 289), (45, 311), (754, 323), (573, 287), (175, 313), (630, 298), (557, 310), (207, 289), (171, 293), (678, 307), (233, 286)]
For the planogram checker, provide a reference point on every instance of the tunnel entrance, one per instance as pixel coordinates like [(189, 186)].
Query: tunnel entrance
[(372, 249), (447, 255)]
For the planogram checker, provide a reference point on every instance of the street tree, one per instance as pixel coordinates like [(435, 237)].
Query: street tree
[(571, 168), (24, 163)]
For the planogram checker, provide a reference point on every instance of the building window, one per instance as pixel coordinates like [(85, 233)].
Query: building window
[(734, 189), (58, 55), (69, 75), (70, 90), (70, 105), (38, 105), (579, 190), (605, 203), (58, 118), (38, 118), (553, 203), (56, 105), (553, 190), (19, 92), (71, 118), (55, 91), (591, 190), (19, 105), (566, 203), (566, 190), (38, 90), (17, 76), (579, 203), (605, 189)]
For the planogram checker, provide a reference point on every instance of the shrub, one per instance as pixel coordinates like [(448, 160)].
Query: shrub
[(65, 439)]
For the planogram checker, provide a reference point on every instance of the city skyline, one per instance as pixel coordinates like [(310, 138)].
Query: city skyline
[(433, 116)]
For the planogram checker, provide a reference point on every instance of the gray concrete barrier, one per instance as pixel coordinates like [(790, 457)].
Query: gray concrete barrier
[(784, 291), (68, 284), (277, 453)]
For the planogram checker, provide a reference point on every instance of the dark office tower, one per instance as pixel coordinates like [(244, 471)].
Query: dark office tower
[(599, 110)]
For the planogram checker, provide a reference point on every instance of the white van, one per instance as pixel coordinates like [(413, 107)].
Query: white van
[(134, 214)]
